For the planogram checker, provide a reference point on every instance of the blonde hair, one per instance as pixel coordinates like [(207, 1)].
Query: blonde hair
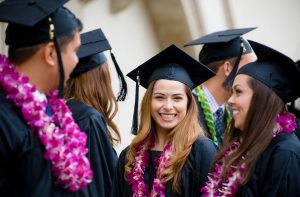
[(94, 89), (181, 137)]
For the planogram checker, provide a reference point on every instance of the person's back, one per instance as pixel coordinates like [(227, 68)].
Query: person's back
[(94, 105)]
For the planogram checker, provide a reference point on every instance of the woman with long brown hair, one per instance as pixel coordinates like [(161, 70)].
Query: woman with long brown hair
[(170, 156), (94, 105), (261, 155)]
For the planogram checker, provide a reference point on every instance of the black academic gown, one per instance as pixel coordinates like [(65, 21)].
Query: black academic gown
[(101, 154), (23, 169), (277, 172), (194, 172)]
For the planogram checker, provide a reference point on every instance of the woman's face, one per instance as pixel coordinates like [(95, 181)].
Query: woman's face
[(240, 100), (168, 104)]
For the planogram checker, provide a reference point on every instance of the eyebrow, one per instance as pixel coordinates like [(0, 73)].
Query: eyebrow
[(176, 94), (235, 86)]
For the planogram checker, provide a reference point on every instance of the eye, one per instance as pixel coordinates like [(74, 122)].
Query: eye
[(178, 98), (238, 91), (158, 97)]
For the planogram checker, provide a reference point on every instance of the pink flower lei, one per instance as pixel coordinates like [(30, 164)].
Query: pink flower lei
[(65, 145), (136, 179), (227, 187)]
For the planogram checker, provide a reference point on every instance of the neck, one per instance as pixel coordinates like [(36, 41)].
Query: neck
[(35, 71), (214, 85), (161, 136)]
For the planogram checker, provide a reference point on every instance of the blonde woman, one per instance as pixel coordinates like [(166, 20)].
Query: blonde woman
[(170, 156)]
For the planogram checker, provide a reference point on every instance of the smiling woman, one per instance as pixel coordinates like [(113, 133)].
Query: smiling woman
[(261, 155), (170, 156)]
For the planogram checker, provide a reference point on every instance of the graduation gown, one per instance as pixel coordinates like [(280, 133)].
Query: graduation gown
[(194, 172), (23, 169), (101, 154), (277, 172)]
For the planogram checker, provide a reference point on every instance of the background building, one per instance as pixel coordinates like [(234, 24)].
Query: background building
[(138, 29)]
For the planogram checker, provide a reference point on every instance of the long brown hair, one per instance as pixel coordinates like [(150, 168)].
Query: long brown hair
[(181, 137), (94, 89), (258, 129)]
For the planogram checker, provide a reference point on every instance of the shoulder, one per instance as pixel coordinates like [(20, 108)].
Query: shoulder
[(285, 145), (81, 111), (204, 145)]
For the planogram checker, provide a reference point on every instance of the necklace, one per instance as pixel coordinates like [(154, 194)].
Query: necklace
[(209, 116), (228, 186), (65, 145), (139, 188)]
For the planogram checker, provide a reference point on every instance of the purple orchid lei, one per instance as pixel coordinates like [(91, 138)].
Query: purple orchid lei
[(135, 177), (286, 123), (216, 186), (65, 144)]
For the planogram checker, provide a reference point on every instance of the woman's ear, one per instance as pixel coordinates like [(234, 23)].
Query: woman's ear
[(227, 67), (50, 54)]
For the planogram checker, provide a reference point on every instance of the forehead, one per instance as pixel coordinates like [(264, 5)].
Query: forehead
[(242, 80), (164, 85)]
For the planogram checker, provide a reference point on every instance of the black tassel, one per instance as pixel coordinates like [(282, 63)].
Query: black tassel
[(61, 70), (123, 85), (134, 126), (227, 84)]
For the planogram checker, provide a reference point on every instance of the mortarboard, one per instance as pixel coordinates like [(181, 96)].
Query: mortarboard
[(223, 45), (172, 64), (32, 22), (91, 55), (275, 70)]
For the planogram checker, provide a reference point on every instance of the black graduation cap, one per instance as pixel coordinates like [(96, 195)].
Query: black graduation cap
[(223, 45), (275, 70), (173, 64), (32, 22), (91, 55)]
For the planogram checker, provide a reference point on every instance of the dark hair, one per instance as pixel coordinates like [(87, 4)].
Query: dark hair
[(258, 130), (214, 66), (20, 55)]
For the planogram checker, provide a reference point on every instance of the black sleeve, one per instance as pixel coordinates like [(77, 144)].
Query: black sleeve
[(101, 154), (204, 152), (282, 177), (120, 185)]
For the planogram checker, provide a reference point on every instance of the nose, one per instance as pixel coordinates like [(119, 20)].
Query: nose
[(168, 105), (231, 100)]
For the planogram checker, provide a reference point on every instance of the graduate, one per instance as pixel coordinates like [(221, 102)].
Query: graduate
[(260, 154), (42, 150), (170, 155), (94, 105), (224, 52)]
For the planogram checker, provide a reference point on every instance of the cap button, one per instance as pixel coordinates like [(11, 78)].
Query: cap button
[(31, 2)]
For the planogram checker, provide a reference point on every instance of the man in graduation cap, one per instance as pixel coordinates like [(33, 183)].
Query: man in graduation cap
[(42, 150), (94, 105), (223, 52)]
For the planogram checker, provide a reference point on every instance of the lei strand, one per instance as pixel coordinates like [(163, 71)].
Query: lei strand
[(136, 179), (208, 114), (227, 187), (65, 145)]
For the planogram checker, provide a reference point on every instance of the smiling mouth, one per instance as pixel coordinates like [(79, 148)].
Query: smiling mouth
[(167, 117)]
